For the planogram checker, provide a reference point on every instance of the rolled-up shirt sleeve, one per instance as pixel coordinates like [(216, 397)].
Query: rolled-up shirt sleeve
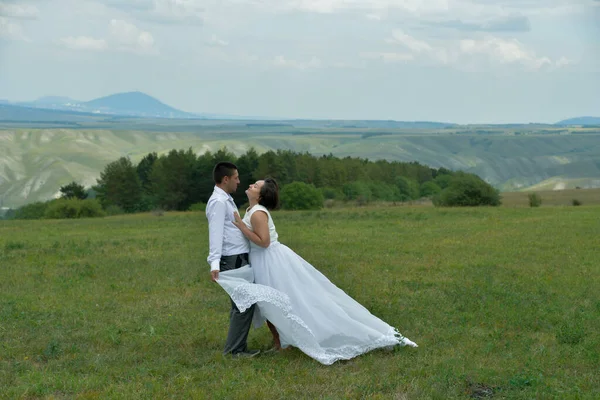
[(216, 226)]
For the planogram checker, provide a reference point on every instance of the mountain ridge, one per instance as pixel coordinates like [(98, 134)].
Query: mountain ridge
[(140, 104)]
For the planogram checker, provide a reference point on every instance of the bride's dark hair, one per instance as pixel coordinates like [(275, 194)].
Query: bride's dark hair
[(269, 194)]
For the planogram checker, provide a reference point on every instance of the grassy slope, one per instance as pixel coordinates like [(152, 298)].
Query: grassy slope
[(35, 163), (499, 299)]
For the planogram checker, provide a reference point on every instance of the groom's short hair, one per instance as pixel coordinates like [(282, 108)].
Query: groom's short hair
[(223, 169)]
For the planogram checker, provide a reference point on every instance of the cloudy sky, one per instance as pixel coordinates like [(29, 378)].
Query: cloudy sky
[(462, 61)]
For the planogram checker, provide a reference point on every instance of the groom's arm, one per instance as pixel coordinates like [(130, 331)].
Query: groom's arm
[(216, 226)]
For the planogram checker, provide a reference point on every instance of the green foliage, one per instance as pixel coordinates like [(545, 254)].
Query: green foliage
[(74, 208), (384, 191), (467, 190), (32, 211), (357, 190), (178, 179), (90, 208), (247, 164), (332, 193), (429, 189), (535, 200), (576, 202), (301, 196), (173, 180), (114, 210), (119, 184), (443, 180), (73, 191), (408, 189), (200, 206), (62, 208), (144, 169)]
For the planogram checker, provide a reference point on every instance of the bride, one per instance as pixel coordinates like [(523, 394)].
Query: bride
[(302, 307)]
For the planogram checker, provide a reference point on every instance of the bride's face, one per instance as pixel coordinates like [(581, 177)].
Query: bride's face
[(253, 191)]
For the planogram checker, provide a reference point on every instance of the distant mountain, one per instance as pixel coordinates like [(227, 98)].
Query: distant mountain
[(23, 115), (55, 100), (135, 104), (131, 104), (580, 121)]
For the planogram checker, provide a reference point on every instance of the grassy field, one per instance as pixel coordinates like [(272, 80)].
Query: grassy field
[(503, 302), (553, 197)]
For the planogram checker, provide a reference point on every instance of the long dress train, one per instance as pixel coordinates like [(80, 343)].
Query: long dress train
[(308, 310)]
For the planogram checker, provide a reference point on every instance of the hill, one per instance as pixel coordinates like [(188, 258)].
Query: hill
[(580, 121), (34, 163), (132, 104)]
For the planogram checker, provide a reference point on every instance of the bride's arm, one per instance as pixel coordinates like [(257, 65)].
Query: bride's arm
[(260, 222)]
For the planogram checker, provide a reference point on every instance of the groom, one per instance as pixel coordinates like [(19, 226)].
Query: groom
[(228, 249)]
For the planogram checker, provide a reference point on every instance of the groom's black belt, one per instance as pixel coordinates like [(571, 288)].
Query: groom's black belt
[(234, 262)]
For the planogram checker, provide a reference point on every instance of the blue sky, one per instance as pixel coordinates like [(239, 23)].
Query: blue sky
[(487, 61)]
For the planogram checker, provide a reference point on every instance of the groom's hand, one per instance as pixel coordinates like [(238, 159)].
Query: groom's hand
[(214, 275)]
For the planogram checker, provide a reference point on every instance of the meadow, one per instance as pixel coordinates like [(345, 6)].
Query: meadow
[(503, 302)]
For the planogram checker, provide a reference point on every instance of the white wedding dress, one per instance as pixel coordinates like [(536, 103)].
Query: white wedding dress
[(308, 310)]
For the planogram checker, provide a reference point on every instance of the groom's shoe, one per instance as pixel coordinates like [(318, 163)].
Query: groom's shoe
[(245, 354)]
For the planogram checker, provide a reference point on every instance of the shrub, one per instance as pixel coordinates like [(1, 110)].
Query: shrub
[(114, 210), (535, 200), (408, 189), (90, 208), (576, 202), (331, 193), (74, 208), (62, 208), (200, 206), (32, 211), (467, 190), (384, 191), (301, 196), (429, 189), (357, 191)]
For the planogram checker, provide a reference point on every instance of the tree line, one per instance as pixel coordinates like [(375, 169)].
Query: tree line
[(182, 180)]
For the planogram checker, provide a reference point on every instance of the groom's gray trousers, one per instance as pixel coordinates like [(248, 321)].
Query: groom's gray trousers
[(239, 322)]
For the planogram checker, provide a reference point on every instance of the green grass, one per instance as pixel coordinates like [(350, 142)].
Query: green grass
[(553, 197), (501, 301)]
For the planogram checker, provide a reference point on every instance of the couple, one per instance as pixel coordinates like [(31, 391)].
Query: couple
[(267, 281)]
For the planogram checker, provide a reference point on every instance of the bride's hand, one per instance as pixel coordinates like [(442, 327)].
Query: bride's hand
[(237, 220)]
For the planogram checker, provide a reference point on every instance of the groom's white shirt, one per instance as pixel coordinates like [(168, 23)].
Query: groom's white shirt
[(225, 239)]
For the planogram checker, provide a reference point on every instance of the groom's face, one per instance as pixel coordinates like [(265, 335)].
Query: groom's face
[(232, 182)]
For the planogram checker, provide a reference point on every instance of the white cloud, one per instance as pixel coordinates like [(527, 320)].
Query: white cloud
[(85, 43), (11, 30), (163, 11), (468, 51), (504, 51), (216, 41), (416, 45), (128, 37), (19, 11), (331, 6), (281, 61), (122, 36), (177, 11), (388, 57), (419, 47)]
